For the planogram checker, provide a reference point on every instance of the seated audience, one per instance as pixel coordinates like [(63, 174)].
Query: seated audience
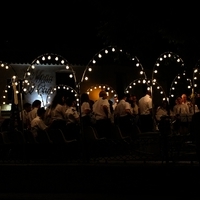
[(38, 122), (72, 120), (85, 110)]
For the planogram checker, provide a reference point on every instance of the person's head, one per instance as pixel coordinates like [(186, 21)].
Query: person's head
[(179, 100), (36, 104), (127, 97), (103, 94), (134, 98), (148, 92), (41, 112), (184, 97), (85, 98), (58, 99), (116, 99), (27, 107), (71, 102), (164, 104)]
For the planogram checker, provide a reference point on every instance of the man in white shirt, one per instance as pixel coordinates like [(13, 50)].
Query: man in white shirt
[(101, 109), (123, 115), (38, 122), (145, 106)]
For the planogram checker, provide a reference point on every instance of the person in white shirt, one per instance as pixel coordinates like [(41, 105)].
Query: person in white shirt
[(146, 118), (38, 122), (72, 120), (33, 113), (123, 115), (85, 110), (58, 107), (182, 115), (101, 110)]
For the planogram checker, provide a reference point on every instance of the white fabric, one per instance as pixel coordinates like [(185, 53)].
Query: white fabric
[(37, 123), (145, 105), (98, 109), (122, 107), (58, 112), (72, 116), (84, 106), (32, 114)]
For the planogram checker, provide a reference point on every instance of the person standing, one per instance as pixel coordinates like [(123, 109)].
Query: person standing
[(123, 113), (101, 110), (146, 118), (85, 110), (38, 122), (33, 113)]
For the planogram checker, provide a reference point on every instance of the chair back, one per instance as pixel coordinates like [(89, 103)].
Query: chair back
[(43, 137)]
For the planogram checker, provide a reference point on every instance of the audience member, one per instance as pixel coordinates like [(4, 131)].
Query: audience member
[(163, 112), (182, 114), (33, 113), (146, 118), (58, 107), (101, 110), (135, 109), (38, 122), (72, 120), (85, 110), (123, 115)]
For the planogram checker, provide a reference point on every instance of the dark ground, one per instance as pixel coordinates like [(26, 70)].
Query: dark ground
[(99, 181)]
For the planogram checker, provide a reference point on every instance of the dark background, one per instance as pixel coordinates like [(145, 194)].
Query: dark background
[(78, 29)]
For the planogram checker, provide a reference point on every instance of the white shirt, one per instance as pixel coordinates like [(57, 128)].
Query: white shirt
[(72, 116), (37, 123), (32, 114), (84, 106), (160, 112), (183, 111), (58, 112), (98, 109), (145, 105), (122, 107)]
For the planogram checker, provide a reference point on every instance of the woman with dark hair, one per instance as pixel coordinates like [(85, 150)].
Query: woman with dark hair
[(55, 114)]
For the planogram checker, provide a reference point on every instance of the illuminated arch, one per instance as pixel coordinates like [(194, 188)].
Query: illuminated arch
[(136, 88), (94, 90), (50, 59), (167, 66), (181, 84), (66, 88), (115, 56), (7, 85)]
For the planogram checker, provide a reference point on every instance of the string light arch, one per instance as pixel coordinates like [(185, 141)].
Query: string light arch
[(139, 86), (196, 78), (181, 84), (166, 67), (8, 85), (30, 86), (68, 90), (109, 57), (94, 90)]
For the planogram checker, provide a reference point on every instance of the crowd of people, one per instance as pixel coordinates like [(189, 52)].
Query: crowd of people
[(126, 111)]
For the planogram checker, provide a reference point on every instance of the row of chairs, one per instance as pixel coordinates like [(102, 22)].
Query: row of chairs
[(49, 144), (54, 145)]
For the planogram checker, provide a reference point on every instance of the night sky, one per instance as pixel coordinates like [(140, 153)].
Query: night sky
[(72, 30), (65, 29)]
